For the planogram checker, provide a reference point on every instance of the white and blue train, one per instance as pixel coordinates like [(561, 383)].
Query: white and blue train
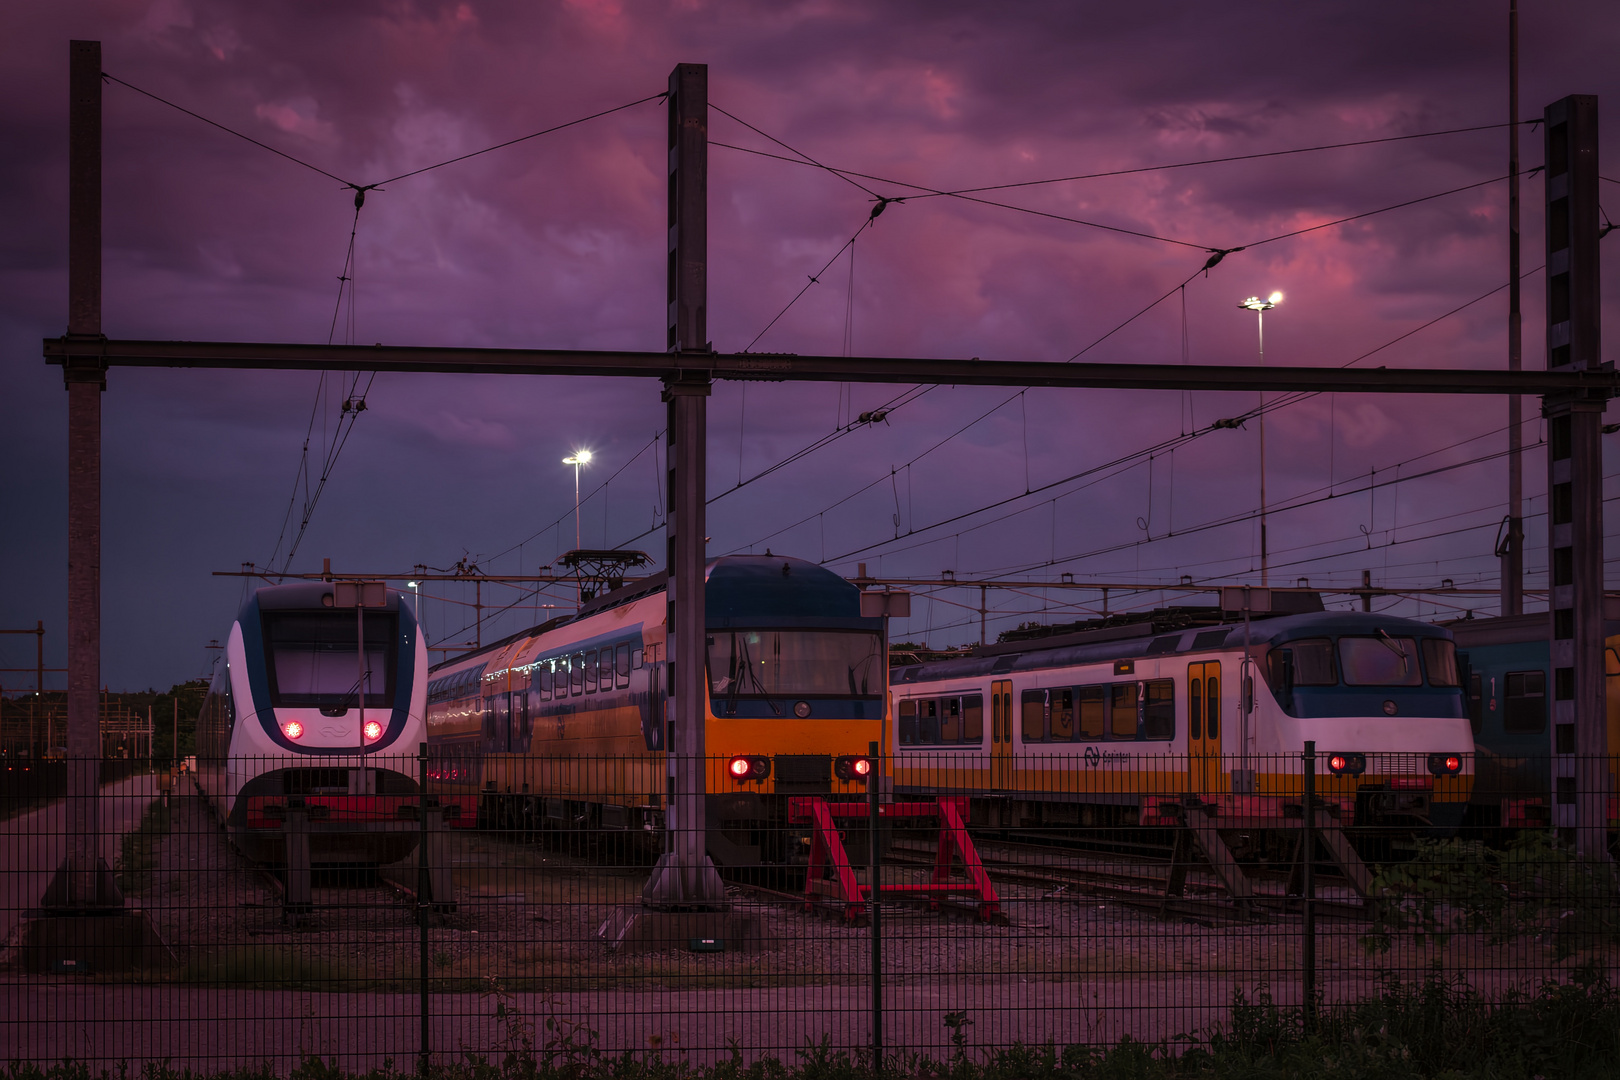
[(301, 715)]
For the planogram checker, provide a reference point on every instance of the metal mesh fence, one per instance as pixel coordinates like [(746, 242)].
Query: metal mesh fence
[(1072, 899)]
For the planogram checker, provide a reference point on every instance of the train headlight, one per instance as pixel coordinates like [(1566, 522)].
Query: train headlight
[(373, 730), (855, 769), (1445, 764), (747, 769), (1347, 764), (293, 729)]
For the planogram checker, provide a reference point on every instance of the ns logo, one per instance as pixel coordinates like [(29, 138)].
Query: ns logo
[(1093, 757)]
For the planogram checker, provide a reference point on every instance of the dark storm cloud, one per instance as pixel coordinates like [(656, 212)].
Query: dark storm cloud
[(559, 242)]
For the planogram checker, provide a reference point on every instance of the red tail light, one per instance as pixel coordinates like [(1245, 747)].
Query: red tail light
[(293, 729), (1445, 764), (373, 730), (1340, 764), (852, 768), (748, 769)]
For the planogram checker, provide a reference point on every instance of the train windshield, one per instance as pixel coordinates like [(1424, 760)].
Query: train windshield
[(795, 663), (1380, 661), (314, 658)]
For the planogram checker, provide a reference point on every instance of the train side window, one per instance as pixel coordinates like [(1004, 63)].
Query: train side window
[(1093, 711), (1476, 701), (1313, 663), (1122, 710), (576, 674), (1440, 657), (1063, 715), (908, 722), (928, 721), (1034, 716), (1212, 711), (1159, 710), (621, 661), (950, 720), (1526, 702), (590, 672), (973, 719), (520, 720), (547, 677)]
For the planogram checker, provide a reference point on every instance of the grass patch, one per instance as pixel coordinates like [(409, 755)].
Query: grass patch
[(1435, 1029), (276, 967), (138, 850)]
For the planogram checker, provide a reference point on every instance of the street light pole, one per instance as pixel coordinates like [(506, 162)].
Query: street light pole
[(1260, 307), (576, 459)]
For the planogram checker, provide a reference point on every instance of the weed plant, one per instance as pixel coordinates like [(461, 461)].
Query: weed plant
[(1435, 1029)]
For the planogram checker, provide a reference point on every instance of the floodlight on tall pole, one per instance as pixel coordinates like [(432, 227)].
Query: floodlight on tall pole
[(1260, 307), (576, 459)]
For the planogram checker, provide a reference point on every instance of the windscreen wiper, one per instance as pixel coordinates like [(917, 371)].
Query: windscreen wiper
[(1389, 643)]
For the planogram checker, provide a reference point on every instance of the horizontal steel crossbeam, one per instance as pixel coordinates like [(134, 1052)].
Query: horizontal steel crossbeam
[(84, 353)]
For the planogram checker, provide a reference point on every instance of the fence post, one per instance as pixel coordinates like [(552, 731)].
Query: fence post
[(423, 878), (1307, 949), (874, 918)]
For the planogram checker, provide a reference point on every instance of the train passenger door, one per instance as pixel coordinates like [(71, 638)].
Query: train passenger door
[(1001, 729), (1205, 774)]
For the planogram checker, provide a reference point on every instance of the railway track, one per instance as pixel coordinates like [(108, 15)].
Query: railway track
[(1140, 882)]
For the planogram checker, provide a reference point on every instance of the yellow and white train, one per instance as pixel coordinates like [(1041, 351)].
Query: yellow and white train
[(1103, 727)]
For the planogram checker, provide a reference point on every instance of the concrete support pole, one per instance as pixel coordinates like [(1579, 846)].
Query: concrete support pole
[(1581, 779), (685, 877), (86, 379)]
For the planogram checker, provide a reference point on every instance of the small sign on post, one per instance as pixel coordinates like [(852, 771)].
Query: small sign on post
[(888, 604), (353, 594)]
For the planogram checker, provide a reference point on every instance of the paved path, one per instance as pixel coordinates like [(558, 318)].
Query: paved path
[(32, 846)]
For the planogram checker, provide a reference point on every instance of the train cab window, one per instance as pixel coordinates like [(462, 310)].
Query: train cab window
[(1034, 716), (1313, 663), (1159, 709), (1526, 710), (1378, 661), (908, 722), (1063, 715), (314, 657), (621, 665), (1093, 708), (576, 674), (1476, 702), (1122, 698), (973, 719), (1440, 657)]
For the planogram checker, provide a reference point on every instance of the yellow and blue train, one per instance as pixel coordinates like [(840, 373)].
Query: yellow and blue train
[(565, 726)]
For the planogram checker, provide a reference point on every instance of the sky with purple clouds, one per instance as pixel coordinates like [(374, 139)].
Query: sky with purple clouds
[(559, 242)]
